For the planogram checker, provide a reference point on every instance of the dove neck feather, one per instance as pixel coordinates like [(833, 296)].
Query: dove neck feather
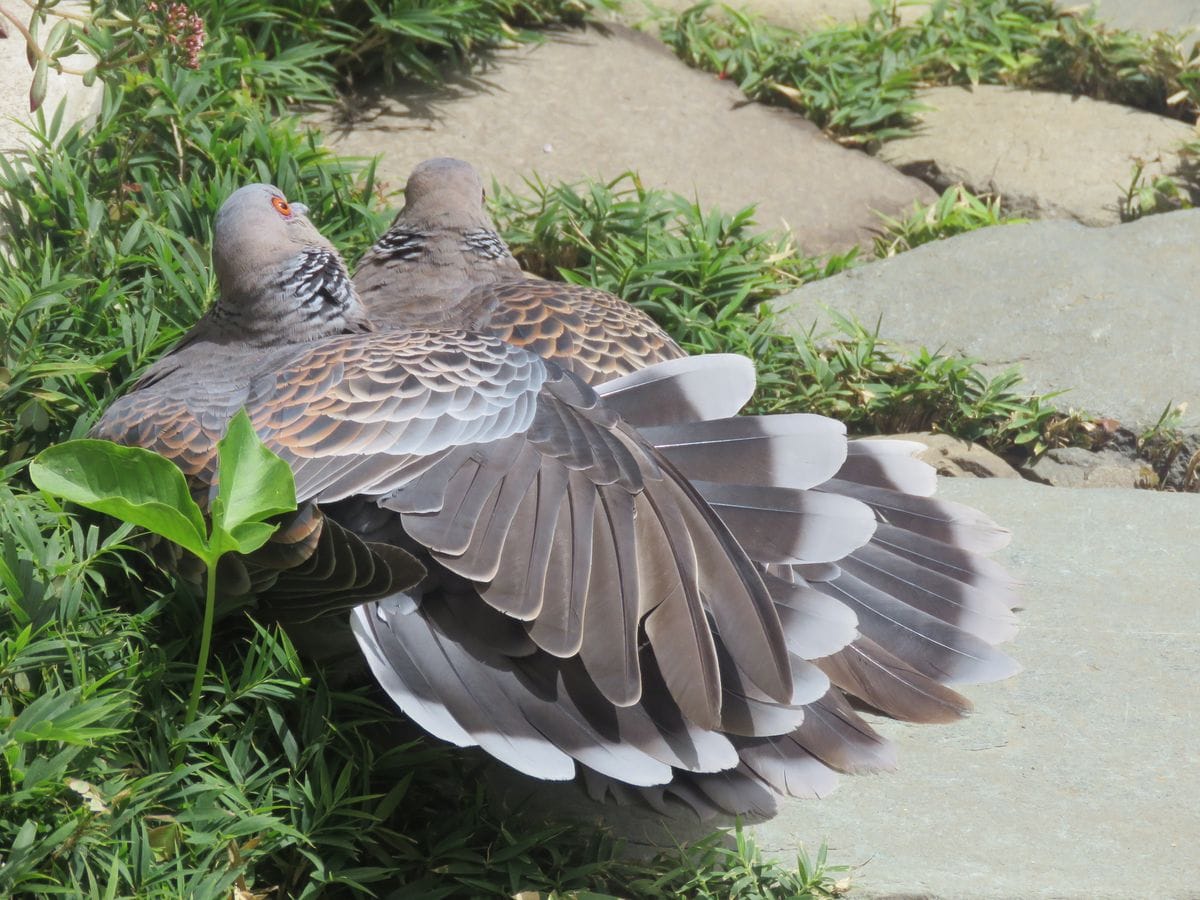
[(422, 276), (307, 297)]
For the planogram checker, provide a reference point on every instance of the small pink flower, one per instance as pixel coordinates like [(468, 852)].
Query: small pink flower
[(184, 29)]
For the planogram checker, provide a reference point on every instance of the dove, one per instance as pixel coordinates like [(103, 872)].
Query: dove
[(581, 609), (441, 263), (929, 605), (180, 407)]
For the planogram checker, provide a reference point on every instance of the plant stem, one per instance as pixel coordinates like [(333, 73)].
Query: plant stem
[(210, 602)]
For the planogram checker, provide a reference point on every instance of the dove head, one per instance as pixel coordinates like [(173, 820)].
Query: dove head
[(444, 193), (280, 279)]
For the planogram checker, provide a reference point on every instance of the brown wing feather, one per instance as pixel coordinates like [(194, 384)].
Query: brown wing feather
[(168, 427), (590, 332)]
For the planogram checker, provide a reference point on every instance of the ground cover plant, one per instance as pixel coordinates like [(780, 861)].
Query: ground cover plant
[(117, 777), (274, 779)]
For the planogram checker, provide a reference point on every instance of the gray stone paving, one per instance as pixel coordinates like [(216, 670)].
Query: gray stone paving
[(1079, 777), (1151, 15), (1109, 315), (1047, 155), (585, 104)]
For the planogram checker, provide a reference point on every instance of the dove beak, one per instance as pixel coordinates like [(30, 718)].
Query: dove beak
[(300, 208)]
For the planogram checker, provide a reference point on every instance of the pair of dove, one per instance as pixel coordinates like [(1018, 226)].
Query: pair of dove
[(620, 577)]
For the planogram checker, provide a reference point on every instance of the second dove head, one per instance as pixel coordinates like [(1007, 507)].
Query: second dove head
[(444, 192)]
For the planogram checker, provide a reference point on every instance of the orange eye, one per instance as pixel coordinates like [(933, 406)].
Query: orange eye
[(281, 206)]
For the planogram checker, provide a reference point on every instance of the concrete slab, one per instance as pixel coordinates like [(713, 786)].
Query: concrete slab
[(1047, 155), (1150, 15), (1107, 314), (586, 104), (16, 77), (1079, 777)]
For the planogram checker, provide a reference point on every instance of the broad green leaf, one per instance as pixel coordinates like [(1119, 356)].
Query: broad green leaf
[(253, 484), (128, 483)]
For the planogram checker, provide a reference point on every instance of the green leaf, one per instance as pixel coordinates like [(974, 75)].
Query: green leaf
[(37, 90), (128, 483), (253, 485)]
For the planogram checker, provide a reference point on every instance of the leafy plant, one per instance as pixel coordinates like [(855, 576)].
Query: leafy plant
[(148, 490), (303, 49), (855, 81), (955, 212), (1145, 195), (647, 244), (714, 871), (1173, 456)]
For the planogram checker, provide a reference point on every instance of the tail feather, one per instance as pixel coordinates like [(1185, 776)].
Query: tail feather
[(814, 624), (985, 612), (926, 643), (835, 734), (788, 768), (962, 565), (781, 525), (889, 464), (867, 671), (942, 520)]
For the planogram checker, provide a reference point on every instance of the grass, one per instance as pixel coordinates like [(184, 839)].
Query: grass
[(291, 782), (859, 81)]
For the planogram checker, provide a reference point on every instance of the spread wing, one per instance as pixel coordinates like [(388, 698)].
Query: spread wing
[(515, 476)]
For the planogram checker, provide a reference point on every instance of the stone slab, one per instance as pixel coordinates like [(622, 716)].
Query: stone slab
[(1078, 467), (1107, 314), (589, 104), (957, 458), (1075, 779), (1078, 778), (1047, 155)]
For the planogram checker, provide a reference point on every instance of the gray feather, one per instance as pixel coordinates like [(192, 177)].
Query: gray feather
[(780, 525), (691, 389), (928, 644), (790, 451)]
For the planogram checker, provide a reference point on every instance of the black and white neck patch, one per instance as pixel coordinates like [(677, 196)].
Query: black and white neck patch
[(486, 243), (319, 283), (401, 243)]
